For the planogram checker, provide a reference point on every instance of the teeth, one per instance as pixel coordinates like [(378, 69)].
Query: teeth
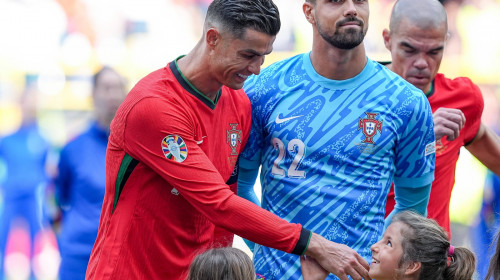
[(242, 76)]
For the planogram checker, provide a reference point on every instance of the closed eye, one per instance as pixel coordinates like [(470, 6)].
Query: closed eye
[(248, 56)]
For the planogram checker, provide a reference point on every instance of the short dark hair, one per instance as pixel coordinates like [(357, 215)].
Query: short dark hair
[(236, 16), (96, 76)]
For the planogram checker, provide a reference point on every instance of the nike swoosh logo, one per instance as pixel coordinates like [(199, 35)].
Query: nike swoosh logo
[(279, 120), (201, 141)]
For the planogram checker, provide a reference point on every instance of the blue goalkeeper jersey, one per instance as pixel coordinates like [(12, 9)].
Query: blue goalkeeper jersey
[(329, 151)]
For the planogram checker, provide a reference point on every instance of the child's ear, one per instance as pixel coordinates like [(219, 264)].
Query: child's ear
[(413, 268)]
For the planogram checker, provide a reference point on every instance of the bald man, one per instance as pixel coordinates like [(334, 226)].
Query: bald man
[(416, 39)]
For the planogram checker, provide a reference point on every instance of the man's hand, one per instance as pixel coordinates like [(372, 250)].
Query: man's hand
[(337, 258), (448, 122), (311, 270)]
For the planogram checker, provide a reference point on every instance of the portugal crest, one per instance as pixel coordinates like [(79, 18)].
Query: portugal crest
[(370, 127), (233, 138), (174, 148)]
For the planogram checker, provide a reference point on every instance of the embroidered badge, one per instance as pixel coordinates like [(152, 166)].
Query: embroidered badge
[(233, 138), (370, 126), (430, 148), (440, 147), (174, 148)]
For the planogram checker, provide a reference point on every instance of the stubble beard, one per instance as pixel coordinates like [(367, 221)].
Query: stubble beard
[(349, 39)]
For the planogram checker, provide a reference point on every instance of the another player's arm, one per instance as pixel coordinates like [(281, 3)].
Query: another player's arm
[(246, 182), (247, 177), (199, 182), (311, 270), (62, 191), (410, 198), (486, 148), (415, 162), (63, 181), (337, 258), (448, 122)]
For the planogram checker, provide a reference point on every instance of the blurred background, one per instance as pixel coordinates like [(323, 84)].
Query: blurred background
[(53, 47)]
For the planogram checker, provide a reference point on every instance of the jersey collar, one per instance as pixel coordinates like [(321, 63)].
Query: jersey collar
[(189, 87), (431, 90)]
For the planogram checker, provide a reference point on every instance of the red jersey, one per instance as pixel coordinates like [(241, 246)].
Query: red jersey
[(172, 153), (459, 93)]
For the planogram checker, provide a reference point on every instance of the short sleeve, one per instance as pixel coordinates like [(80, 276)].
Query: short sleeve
[(415, 152)]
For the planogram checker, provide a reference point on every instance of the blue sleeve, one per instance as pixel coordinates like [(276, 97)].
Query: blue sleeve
[(415, 150), (63, 182), (410, 198), (246, 182)]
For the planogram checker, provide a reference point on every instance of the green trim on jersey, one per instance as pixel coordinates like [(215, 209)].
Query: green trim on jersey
[(206, 99), (128, 165), (431, 90)]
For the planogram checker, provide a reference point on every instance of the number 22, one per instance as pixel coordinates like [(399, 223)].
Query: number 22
[(293, 171)]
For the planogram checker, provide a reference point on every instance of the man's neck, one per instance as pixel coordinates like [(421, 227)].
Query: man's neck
[(193, 67), (429, 89), (338, 64)]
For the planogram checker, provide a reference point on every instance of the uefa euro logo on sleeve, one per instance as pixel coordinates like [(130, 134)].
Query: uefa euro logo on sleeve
[(430, 148), (174, 148)]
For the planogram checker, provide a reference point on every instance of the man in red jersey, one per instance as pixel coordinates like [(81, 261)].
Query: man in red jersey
[(172, 156), (416, 40)]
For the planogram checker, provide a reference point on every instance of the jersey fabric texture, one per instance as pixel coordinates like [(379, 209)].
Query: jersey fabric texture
[(459, 93), (80, 191), (171, 152), (329, 151)]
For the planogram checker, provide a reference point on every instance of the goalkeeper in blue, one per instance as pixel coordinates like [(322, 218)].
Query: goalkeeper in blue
[(331, 131)]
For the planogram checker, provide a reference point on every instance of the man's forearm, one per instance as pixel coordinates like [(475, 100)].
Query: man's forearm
[(486, 148)]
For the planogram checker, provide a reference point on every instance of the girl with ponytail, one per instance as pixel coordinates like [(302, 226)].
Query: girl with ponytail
[(412, 248)]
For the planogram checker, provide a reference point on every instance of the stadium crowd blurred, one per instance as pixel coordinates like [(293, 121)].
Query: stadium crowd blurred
[(53, 47)]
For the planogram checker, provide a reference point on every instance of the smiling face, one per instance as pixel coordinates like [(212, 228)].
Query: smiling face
[(234, 59), (416, 53), (387, 253), (341, 23)]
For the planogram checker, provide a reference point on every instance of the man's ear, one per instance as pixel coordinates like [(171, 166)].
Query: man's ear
[(413, 268), (308, 8), (212, 37), (386, 34)]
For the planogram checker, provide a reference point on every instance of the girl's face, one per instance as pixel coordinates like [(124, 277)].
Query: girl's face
[(387, 253)]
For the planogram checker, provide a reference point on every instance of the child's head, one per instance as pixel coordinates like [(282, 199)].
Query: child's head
[(222, 264), (418, 248)]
